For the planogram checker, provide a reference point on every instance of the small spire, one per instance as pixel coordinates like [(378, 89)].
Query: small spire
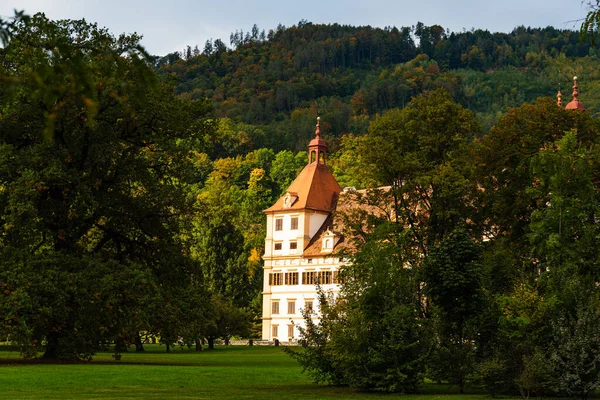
[(575, 91), (317, 148), (575, 104), (318, 130), (559, 97)]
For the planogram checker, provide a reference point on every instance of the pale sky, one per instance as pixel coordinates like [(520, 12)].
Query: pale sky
[(169, 26)]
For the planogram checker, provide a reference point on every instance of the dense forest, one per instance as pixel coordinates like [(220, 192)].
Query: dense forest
[(278, 82), (132, 190)]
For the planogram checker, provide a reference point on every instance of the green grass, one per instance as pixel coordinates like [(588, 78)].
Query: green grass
[(229, 372)]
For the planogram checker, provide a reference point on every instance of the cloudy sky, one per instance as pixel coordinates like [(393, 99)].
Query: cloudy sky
[(169, 26)]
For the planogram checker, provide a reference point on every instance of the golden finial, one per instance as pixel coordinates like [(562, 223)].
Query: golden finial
[(318, 130), (575, 91)]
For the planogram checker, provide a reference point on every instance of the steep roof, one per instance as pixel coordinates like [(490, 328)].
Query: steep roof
[(355, 205), (315, 188), (314, 248)]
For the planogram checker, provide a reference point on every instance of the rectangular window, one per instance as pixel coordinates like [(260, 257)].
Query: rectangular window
[(293, 245), (276, 278), (335, 277), (278, 224), (290, 331), (294, 223), (325, 277), (308, 306), (309, 278), (291, 307), (275, 307), (274, 329), (291, 278), (309, 260), (277, 246)]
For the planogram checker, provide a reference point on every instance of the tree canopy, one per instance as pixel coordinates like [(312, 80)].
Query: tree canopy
[(92, 196), (485, 271)]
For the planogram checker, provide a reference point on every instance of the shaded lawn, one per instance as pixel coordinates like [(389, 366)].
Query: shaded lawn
[(229, 372)]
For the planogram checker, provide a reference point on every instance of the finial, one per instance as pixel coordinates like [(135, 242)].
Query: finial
[(318, 130), (575, 91), (575, 104), (559, 97)]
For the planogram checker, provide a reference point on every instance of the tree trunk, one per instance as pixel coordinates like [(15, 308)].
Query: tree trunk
[(139, 346), (168, 348), (51, 346), (198, 346), (211, 343)]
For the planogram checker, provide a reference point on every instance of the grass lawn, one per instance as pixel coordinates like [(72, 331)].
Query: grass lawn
[(228, 372)]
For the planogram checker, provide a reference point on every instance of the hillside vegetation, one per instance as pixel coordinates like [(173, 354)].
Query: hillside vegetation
[(131, 197), (277, 82)]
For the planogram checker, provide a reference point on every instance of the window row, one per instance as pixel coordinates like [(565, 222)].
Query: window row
[(279, 246), (291, 306), (308, 278), (275, 331), (279, 223)]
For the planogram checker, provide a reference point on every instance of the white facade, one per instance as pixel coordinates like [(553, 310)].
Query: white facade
[(290, 276), (299, 247)]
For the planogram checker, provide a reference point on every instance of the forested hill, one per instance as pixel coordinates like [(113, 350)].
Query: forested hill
[(278, 81)]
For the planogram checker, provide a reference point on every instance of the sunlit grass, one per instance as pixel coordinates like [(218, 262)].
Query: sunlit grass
[(228, 372)]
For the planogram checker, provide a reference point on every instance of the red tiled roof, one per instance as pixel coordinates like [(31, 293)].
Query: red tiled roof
[(575, 104), (316, 189), (352, 204), (314, 247)]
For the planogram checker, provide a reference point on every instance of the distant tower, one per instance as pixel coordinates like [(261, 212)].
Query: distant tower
[(299, 246), (575, 104)]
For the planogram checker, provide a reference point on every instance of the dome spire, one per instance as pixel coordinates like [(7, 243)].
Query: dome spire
[(318, 130), (317, 148), (575, 104)]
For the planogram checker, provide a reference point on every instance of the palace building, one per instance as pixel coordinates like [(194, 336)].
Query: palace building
[(303, 239), (300, 246)]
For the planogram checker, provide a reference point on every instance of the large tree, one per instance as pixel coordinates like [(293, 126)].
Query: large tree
[(92, 196)]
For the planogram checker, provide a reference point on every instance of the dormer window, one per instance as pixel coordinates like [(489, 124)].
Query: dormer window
[(289, 199), (328, 240)]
